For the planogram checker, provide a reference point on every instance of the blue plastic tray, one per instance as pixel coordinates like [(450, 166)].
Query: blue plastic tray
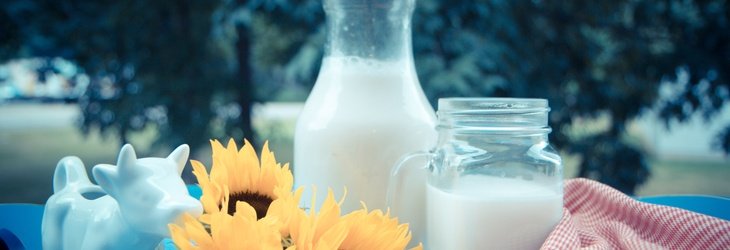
[(20, 224)]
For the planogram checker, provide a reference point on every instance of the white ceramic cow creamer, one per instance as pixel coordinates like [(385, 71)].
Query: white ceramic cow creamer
[(129, 209)]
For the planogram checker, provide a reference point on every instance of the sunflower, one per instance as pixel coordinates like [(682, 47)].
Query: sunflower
[(249, 204), (242, 230), (375, 230), (284, 209), (239, 175), (318, 231)]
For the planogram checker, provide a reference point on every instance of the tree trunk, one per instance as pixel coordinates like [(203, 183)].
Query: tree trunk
[(122, 136), (246, 90)]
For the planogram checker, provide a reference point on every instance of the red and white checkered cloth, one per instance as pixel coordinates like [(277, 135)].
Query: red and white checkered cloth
[(597, 216)]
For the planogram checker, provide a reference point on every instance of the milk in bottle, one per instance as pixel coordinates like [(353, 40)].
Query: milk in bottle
[(360, 118), (366, 109)]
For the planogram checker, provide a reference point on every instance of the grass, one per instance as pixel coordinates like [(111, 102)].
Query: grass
[(28, 158), (687, 177), (669, 176)]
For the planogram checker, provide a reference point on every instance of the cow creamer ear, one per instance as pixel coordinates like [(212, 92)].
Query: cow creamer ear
[(127, 158), (180, 157), (107, 177), (70, 171)]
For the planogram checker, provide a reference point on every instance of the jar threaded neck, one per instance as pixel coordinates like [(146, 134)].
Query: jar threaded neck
[(494, 114)]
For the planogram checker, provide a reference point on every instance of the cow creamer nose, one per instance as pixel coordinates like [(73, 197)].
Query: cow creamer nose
[(177, 205), (192, 206)]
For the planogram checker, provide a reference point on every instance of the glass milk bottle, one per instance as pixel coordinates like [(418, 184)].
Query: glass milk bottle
[(367, 107), (494, 180)]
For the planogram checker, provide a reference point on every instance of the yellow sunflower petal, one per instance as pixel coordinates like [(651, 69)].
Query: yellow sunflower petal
[(324, 246), (260, 234), (269, 237), (197, 233), (179, 237), (221, 229), (328, 215), (211, 193), (247, 233), (245, 210), (200, 173), (319, 230), (205, 218), (284, 209), (375, 230), (213, 198), (299, 228), (237, 179), (267, 177), (249, 162), (284, 177), (334, 235), (218, 172)]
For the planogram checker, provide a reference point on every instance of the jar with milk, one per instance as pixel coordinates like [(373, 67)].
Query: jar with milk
[(367, 107), (494, 181)]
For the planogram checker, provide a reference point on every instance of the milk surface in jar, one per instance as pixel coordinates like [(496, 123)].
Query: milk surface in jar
[(484, 212)]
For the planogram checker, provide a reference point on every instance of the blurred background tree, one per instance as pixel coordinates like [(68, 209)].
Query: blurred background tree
[(148, 63), (192, 69), (590, 59)]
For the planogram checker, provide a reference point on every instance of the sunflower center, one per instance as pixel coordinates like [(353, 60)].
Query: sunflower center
[(259, 202)]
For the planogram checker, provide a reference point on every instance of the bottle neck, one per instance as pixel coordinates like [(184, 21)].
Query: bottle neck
[(369, 29)]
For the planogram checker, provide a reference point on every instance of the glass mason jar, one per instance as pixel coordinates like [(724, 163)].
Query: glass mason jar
[(367, 107), (494, 180)]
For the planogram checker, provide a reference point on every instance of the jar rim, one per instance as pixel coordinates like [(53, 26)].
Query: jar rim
[(491, 105), (386, 5), (494, 115), (455, 105)]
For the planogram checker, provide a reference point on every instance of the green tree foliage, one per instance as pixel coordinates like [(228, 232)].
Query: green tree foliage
[(193, 68), (588, 58), (149, 63)]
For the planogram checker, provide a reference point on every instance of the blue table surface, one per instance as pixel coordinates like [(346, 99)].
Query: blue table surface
[(20, 224)]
